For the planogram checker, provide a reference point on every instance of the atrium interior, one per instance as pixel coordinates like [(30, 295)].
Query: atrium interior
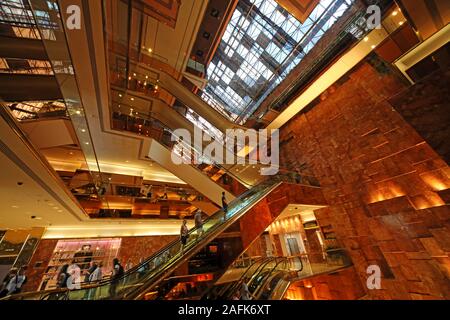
[(224, 150)]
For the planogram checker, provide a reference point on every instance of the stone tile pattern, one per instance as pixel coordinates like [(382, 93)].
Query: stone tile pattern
[(341, 285), (380, 180), (133, 248), (427, 108)]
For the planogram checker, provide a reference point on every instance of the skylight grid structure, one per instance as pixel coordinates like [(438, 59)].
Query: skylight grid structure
[(18, 14), (260, 46)]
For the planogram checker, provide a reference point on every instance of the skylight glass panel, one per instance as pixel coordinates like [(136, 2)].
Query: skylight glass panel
[(261, 45)]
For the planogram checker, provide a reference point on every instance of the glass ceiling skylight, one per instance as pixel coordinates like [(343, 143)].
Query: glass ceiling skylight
[(261, 45)]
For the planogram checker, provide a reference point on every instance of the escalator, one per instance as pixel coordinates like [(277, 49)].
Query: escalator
[(145, 277), (275, 287), (225, 289), (256, 276)]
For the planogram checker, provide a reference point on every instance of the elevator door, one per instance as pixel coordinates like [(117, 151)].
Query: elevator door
[(293, 246)]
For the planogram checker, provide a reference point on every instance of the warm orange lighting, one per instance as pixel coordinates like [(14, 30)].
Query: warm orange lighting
[(401, 22), (433, 182), (394, 13)]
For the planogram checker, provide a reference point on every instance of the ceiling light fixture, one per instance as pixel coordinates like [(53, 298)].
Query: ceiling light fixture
[(150, 50), (83, 130), (366, 39), (394, 13)]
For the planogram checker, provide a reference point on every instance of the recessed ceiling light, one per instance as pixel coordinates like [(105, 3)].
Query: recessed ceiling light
[(78, 112), (366, 39), (146, 77), (120, 95), (373, 46), (401, 22), (132, 99), (134, 74), (86, 143), (83, 130), (150, 50), (394, 13)]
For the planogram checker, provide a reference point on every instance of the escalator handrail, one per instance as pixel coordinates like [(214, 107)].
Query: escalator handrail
[(261, 267), (135, 269), (263, 281), (212, 231), (277, 260), (174, 242), (226, 287), (233, 286)]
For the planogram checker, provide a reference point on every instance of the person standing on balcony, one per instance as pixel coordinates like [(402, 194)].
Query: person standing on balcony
[(184, 235), (224, 205)]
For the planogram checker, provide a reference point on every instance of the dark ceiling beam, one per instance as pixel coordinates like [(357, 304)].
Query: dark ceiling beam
[(28, 87)]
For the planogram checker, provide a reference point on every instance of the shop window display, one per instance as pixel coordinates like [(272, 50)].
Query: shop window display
[(81, 253)]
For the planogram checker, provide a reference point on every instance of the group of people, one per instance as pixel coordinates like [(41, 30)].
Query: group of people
[(13, 282), (70, 277), (198, 220)]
